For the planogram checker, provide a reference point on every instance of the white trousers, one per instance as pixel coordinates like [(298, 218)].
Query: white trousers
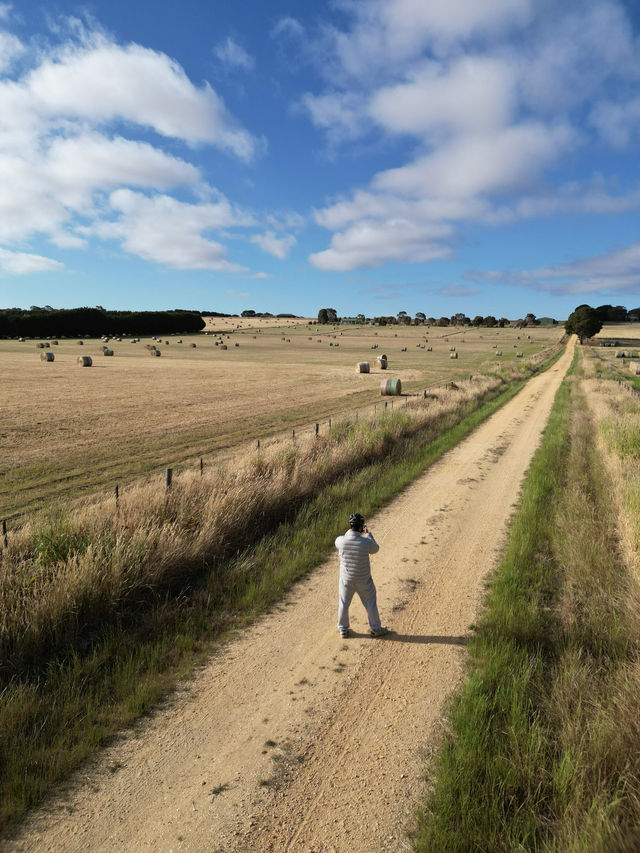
[(366, 589)]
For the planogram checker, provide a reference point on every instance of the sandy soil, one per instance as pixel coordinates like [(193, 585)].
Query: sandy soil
[(293, 739)]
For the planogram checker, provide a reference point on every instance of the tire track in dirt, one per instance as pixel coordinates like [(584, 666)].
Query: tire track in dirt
[(293, 739)]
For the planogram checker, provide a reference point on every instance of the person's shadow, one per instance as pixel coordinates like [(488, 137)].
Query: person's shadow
[(423, 639)]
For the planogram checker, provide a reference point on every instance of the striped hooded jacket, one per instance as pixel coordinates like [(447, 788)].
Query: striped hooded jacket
[(354, 549)]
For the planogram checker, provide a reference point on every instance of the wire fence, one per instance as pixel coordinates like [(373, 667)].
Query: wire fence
[(304, 432)]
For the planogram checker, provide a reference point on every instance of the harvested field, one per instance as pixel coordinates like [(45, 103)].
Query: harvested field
[(67, 431)]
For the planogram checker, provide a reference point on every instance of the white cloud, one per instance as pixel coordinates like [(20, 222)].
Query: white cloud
[(289, 27), (104, 82), (269, 242), (170, 232), (65, 169), (21, 263), (491, 96), (341, 114), (10, 48), (374, 243), (79, 166), (611, 272), (388, 34), (474, 93), (231, 53), (477, 163)]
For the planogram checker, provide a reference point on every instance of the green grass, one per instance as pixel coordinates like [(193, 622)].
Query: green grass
[(54, 715), (536, 758)]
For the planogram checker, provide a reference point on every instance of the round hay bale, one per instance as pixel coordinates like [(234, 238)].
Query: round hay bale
[(21, 340), (224, 346), (499, 352), (47, 356), (40, 346), (453, 355), (179, 341), (81, 343), (518, 355), (107, 351), (236, 344), (193, 346), (362, 367), (452, 349), (382, 362), (84, 360), (391, 387), (155, 352), (404, 349), (429, 349)]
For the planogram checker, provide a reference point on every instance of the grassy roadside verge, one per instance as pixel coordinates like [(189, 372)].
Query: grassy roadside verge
[(60, 704), (543, 748)]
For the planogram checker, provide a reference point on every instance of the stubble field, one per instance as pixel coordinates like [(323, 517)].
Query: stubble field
[(68, 430)]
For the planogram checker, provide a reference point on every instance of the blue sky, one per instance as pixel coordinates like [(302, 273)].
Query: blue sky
[(474, 155)]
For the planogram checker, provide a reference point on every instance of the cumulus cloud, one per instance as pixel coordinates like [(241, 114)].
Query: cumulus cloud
[(478, 163), (170, 232), (474, 93), (373, 243), (104, 81), (82, 131), (22, 263), (231, 53), (486, 100), (269, 242)]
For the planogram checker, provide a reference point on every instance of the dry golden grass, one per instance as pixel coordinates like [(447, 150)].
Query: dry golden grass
[(69, 430)]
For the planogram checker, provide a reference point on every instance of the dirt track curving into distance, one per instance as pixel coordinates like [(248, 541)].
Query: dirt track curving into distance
[(291, 739)]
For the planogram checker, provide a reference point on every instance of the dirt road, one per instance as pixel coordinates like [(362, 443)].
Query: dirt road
[(293, 739)]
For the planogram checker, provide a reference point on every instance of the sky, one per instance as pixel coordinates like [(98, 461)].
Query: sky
[(371, 156)]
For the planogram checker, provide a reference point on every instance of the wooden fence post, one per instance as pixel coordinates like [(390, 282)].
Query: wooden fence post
[(317, 429), (4, 533), (117, 494), (168, 476), (201, 466)]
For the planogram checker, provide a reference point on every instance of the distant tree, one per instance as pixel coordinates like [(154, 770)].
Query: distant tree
[(360, 318), (420, 317), (431, 321), (530, 320), (323, 316), (583, 322), (443, 321), (478, 320), (248, 313), (332, 315), (460, 319), (611, 313), (502, 322)]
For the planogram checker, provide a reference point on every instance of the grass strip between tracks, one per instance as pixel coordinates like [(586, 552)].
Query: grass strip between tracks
[(53, 720), (543, 747)]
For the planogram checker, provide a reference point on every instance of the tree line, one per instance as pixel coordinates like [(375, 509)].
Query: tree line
[(39, 322), (402, 318)]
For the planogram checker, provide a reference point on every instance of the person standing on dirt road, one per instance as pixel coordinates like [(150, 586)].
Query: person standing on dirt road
[(354, 548)]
